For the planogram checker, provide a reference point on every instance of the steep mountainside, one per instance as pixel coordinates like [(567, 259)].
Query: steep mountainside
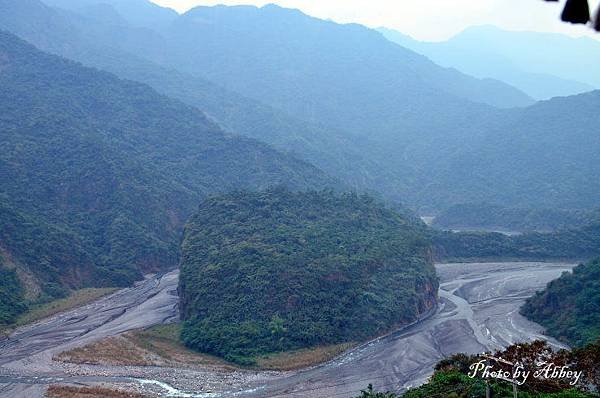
[(569, 307), (98, 37), (544, 65), (303, 57), (342, 76), (547, 155), (110, 169), (393, 124), (276, 271)]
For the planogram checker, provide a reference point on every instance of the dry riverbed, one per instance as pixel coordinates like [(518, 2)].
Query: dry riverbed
[(107, 344)]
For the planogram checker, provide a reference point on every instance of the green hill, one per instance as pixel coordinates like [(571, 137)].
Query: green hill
[(275, 271), (99, 174), (485, 216), (581, 243), (569, 307)]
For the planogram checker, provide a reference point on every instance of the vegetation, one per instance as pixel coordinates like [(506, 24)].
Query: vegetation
[(451, 379), (351, 124), (161, 346), (100, 174), (494, 217), (569, 307), (60, 391), (11, 295), (74, 299), (579, 243), (278, 271), (371, 393), (155, 346)]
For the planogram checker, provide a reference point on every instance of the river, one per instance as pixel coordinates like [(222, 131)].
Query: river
[(478, 311)]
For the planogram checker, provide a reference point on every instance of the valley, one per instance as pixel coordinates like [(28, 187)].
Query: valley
[(225, 201), (478, 311)]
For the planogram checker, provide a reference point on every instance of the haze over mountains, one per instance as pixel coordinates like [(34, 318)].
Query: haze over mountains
[(544, 65), (280, 162), (378, 116)]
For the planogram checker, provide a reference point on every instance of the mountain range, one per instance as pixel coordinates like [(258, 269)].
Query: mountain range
[(377, 116), (543, 65)]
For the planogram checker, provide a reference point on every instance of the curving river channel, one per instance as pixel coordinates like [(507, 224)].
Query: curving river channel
[(478, 311)]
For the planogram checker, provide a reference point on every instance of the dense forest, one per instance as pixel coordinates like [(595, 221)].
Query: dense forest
[(578, 243), (569, 307), (486, 216), (100, 174), (375, 115), (275, 271)]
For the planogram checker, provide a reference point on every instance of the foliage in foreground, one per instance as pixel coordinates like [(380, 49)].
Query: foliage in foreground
[(278, 271), (451, 380), (569, 307)]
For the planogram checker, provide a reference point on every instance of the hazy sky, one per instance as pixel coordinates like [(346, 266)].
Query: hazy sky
[(424, 19)]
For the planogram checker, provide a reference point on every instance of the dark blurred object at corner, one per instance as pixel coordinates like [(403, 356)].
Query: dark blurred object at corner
[(578, 12)]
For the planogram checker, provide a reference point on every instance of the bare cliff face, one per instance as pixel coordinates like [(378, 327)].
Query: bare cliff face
[(427, 293)]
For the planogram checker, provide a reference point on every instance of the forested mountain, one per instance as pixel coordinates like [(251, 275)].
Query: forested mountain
[(379, 117), (569, 307), (543, 65), (99, 174), (486, 216), (98, 40), (303, 58), (276, 270), (582, 243), (546, 155)]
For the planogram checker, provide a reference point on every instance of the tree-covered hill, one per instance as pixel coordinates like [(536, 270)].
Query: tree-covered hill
[(99, 174), (581, 243), (569, 307), (486, 216), (276, 270)]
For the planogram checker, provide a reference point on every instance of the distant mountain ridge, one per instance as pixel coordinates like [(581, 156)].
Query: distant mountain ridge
[(543, 65), (140, 13), (388, 125)]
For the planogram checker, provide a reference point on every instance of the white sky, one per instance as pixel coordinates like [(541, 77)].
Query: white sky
[(425, 19)]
